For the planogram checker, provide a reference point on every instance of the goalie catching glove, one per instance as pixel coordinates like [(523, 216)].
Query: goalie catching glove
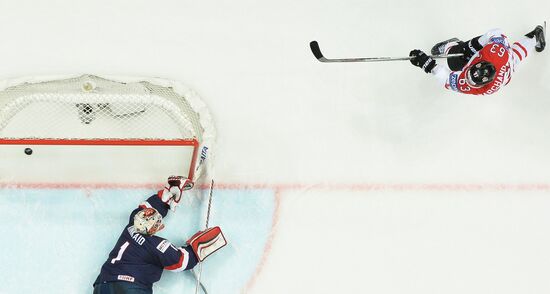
[(207, 242), (172, 192)]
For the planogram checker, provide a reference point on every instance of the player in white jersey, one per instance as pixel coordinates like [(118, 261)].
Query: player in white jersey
[(486, 64)]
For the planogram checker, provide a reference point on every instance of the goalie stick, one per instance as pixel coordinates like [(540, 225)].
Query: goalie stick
[(200, 283), (198, 276), (319, 55)]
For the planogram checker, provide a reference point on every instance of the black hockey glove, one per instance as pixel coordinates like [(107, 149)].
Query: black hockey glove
[(420, 59)]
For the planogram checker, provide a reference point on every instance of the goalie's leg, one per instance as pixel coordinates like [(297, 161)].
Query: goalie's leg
[(450, 47)]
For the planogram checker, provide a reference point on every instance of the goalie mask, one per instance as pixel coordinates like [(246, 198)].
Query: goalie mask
[(148, 221), (480, 74)]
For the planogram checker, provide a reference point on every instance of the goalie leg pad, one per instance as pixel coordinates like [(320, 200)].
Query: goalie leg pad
[(204, 243)]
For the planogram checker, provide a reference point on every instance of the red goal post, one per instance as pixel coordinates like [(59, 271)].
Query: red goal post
[(101, 131)]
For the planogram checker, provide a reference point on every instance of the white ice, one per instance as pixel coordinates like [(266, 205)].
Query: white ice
[(387, 183)]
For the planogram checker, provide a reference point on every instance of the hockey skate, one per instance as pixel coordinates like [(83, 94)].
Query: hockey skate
[(538, 34), (439, 48)]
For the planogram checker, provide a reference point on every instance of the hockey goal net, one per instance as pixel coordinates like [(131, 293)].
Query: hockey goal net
[(89, 129)]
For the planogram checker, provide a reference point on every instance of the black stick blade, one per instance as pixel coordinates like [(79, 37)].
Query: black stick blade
[(316, 50)]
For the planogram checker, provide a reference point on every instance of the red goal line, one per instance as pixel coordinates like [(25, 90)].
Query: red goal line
[(357, 187)]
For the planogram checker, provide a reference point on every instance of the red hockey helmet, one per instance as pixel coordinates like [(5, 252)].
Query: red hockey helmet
[(480, 74)]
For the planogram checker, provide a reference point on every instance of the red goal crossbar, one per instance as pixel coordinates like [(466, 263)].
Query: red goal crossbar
[(112, 142)]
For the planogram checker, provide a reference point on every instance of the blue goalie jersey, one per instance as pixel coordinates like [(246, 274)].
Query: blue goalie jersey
[(140, 259)]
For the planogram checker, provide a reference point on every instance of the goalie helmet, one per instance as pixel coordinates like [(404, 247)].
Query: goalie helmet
[(480, 74), (148, 221)]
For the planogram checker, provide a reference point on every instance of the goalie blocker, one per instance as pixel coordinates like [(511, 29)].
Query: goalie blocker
[(206, 242)]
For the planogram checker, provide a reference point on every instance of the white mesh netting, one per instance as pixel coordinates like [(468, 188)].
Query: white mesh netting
[(88, 107)]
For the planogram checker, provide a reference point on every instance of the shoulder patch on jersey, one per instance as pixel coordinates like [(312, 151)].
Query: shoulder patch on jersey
[(163, 246), (498, 40), (453, 81)]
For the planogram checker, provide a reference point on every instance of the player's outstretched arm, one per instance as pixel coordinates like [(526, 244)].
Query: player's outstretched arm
[(426, 63), (173, 191), (167, 198), (420, 59), (198, 248), (175, 259)]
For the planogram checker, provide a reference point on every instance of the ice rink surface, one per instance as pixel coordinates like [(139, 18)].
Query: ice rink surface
[(334, 178)]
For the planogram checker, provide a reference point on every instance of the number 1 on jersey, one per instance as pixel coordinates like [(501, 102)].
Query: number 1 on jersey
[(120, 252)]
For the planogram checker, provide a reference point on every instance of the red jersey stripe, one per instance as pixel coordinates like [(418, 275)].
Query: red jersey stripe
[(176, 265), (518, 54), (181, 264), (522, 48)]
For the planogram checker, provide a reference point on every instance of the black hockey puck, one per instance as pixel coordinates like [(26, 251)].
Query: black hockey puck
[(28, 151)]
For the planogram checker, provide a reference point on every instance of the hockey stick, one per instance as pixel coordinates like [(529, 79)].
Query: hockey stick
[(199, 284), (317, 53)]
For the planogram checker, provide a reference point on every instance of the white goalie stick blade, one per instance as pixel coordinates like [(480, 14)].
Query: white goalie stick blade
[(316, 50)]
